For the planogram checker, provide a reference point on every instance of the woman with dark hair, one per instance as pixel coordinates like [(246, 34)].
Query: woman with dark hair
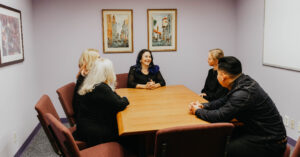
[(144, 74)]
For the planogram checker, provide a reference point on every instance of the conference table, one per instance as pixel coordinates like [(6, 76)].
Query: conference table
[(152, 110)]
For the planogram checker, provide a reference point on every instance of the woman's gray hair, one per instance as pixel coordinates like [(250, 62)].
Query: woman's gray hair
[(101, 72)]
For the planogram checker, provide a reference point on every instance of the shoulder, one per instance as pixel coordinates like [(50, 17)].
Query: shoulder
[(154, 69), (211, 70), (240, 95), (102, 87), (133, 68), (80, 78)]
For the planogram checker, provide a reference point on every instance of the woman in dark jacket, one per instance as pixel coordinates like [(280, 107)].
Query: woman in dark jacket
[(86, 61), (99, 105), (145, 74), (212, 89)]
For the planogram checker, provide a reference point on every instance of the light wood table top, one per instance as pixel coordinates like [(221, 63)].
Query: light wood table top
[(151, 110)]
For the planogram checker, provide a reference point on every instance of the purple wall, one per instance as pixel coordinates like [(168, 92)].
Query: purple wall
[(19, 89), (63, 29), (282, 85)]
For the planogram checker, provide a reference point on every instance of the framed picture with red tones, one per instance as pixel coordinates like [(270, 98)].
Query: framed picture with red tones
[(162, 29), (117, 31), (11, 36)]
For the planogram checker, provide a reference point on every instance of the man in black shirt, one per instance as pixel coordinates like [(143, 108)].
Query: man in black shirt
[(263, 133)]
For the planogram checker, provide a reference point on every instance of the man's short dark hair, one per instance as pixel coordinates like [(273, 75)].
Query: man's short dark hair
[(230, 65)]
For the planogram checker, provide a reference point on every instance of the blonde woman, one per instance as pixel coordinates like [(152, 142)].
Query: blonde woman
[(99, 105), (86, 61), (212, 89)]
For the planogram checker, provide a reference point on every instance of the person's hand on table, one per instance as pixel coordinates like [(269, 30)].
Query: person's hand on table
[(202, 94), (194, 106), (152, 85)]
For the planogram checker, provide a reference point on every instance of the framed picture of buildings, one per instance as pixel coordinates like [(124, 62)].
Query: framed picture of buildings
[(11, 36), (117, 30), (162, 29)]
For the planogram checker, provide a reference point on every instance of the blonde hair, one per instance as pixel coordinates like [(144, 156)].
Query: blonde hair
[(216, 53), (88, 58), (101, 72)]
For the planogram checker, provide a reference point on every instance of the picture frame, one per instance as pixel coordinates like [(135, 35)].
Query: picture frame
[(11, 36), (162, 29), (117, 30)]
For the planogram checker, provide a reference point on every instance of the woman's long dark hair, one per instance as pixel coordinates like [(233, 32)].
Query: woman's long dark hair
[(153, 69)]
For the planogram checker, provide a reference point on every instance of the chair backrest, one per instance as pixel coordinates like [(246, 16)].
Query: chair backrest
[(64, 137), (192, 141), (122, 80), (296, 152), (287, 151), (65, 95), (44, 106)]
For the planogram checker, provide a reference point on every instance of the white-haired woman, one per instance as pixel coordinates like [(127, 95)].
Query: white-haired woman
[(99, 105)]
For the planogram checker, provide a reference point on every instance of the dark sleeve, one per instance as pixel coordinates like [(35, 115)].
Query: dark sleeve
[(204, 90), (160, 79), (236, 103), (118, 103), (215, 104), (131, 80), (75, 101), (221, 91)]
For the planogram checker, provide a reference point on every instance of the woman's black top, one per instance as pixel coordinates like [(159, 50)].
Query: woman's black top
[(137, 77), (212, 87), (76, 97), (96, 118)]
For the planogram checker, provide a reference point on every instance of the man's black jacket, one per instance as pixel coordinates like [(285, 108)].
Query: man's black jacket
[(249, 104)]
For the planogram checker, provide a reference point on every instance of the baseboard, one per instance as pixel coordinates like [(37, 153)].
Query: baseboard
[(31, 136), (291, 141)]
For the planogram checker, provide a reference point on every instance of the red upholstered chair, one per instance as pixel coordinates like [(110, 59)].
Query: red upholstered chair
[(65, 95), (69, 148), (122, 80), (44, 106), (193, 141), (287, 151), (296, 152)]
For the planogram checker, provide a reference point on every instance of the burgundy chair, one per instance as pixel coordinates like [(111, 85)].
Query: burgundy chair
[(207, 140), (296, 152), (44, 106), (70, 149), (122, 80), (287, 151), (65, 95)]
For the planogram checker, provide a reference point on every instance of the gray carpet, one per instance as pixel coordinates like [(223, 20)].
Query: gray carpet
[(39, 146)]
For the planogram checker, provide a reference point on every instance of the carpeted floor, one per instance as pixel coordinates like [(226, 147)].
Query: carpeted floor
[(39, 146)]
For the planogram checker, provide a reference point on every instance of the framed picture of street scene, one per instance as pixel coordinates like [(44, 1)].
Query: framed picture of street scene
[(11, 37), (117, 30), (162, 29)]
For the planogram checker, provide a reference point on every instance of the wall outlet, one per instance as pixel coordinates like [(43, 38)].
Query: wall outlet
[(298, 127), (286, 120), (292, 124)]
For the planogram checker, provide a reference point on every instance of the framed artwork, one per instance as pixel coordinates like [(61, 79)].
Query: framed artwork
[(162, 29), (11, 36), (117, 30)]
